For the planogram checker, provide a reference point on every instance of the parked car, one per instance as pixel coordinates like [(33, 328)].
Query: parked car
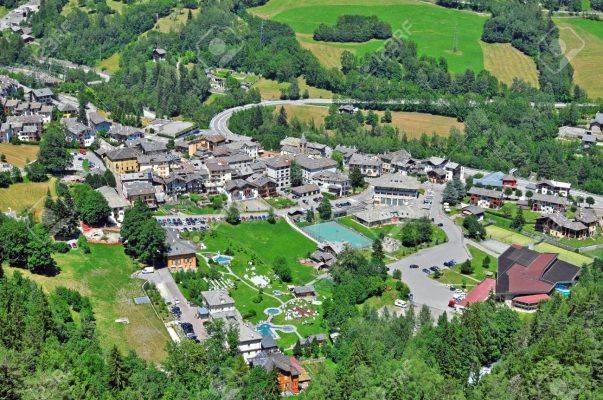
[(434, 268), (428, 272), (414, 266), (450, 263), (400, 303), (440, 224)]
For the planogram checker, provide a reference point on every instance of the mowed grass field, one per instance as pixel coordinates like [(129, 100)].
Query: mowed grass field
[(438, 31), (516, 65), (412, 123), (26, 196), (271, 90), (104, 276), (583, 40), (18, 155)]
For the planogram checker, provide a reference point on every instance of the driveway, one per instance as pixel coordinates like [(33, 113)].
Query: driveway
[(162, 278), (424, 289)]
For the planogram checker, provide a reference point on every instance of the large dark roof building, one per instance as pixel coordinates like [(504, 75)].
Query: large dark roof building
[(525, 272)]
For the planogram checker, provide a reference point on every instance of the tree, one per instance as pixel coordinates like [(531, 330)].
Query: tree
[(144, 239), (486, 262), (378, 255), (82, 102), (324, 209), (91, 206), (529, 194), (233, 216), (474, 229), (296, 175), (356, 178), (53, 154), (397, 274), (590, 201), (16, 176), (116, 370), (518, 192), (519, 221), (466, 268), (294, 89), (82, 243), (39, 256), (459, 187), (281, 119), (271, 217), (5, 179), (282, 269), (387, 117), (36, 172), (216, 202), (309, 216), (450, 194)]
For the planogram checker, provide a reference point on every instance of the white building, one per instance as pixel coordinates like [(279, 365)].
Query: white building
[(279, 170), (394, 189)]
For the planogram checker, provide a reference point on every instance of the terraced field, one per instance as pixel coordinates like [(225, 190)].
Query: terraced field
[(438, 31)]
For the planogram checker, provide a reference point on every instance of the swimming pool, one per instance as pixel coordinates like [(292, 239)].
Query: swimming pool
[(333, 231), (268, 329), (222, 260), (272, 311)]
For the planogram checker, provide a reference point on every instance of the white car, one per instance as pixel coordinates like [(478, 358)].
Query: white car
[(400, 303)]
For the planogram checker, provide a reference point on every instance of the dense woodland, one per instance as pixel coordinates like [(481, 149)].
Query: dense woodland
[(353, 28)]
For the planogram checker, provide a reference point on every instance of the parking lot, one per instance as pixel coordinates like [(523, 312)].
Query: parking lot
[(186, 223)]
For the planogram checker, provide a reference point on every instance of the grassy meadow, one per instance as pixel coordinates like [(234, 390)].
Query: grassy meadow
[(438, 31), (516, 64), (104, 277), (26, 196), (586, 38), (18, 155)]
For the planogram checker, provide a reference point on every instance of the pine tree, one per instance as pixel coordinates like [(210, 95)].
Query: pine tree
[(282, 117), (115, 369), (387, 117), (450, 195), (324, 208), (356, 178), (257, 117), (519, 220)]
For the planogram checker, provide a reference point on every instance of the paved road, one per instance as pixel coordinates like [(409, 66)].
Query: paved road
[(424, 289), (170, 292)]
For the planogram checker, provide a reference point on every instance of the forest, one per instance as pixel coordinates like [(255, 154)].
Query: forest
[(353, 28)]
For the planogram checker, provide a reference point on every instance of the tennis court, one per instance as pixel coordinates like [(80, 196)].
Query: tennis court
[(335, 232)]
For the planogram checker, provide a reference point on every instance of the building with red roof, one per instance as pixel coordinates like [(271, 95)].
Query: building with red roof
[(523, 273), (479, 293)]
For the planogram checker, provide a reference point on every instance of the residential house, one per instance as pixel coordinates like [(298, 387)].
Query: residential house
[(250, 342), (582, 226), (370, 166), (27, 128), (486, 198), (526, 277), (441, 170), (546, 203), (140, 190), (206, 141), (266, 187), (218, 302), (394, 189), (219, 173), (491, 180), (311, 166), (117, 203), (181, 253), (477, 211), (122, 161), (348, 109), (396, 161), (238, 189), (183, 181), (44, 95), (122, 133), (306, 291), (346, 153), (323, 259), (305, 191), (78, 132), (556, 188), (293, 146), (596, 124), (161, 164), (332, 182), (279, 170), (98, 123), (249, 147), (509, 182), (158, 54), (291, 377), (8, 86)]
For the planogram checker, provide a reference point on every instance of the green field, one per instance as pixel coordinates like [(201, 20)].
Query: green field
[(436, 30), (506, 236), (19, 154), (104, 276), (583, 40), (3, 11), (26, 196), (565, 255)]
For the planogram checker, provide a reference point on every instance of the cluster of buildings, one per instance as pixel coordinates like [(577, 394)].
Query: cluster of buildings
[(589, 135), (256, 349)]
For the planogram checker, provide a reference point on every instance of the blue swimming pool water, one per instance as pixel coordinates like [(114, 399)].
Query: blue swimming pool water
[(222, 260), (334, 232), (272, 311), (266, 330)]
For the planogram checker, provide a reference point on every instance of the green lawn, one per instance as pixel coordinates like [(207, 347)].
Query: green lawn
[(186, 206), (3, 11), (577, 243), (595, 254), (262, 243), (281, 202), (104, 276), (436, 30), (569, 256), (507, 236), (504, 217)]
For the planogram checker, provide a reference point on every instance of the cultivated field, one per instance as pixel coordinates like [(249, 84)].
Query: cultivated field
[(515, 65), (586, 38), (18, 155), (104, 276), (437, 31), (26, 196), (110, 64), (412, 123), (174, 21)]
